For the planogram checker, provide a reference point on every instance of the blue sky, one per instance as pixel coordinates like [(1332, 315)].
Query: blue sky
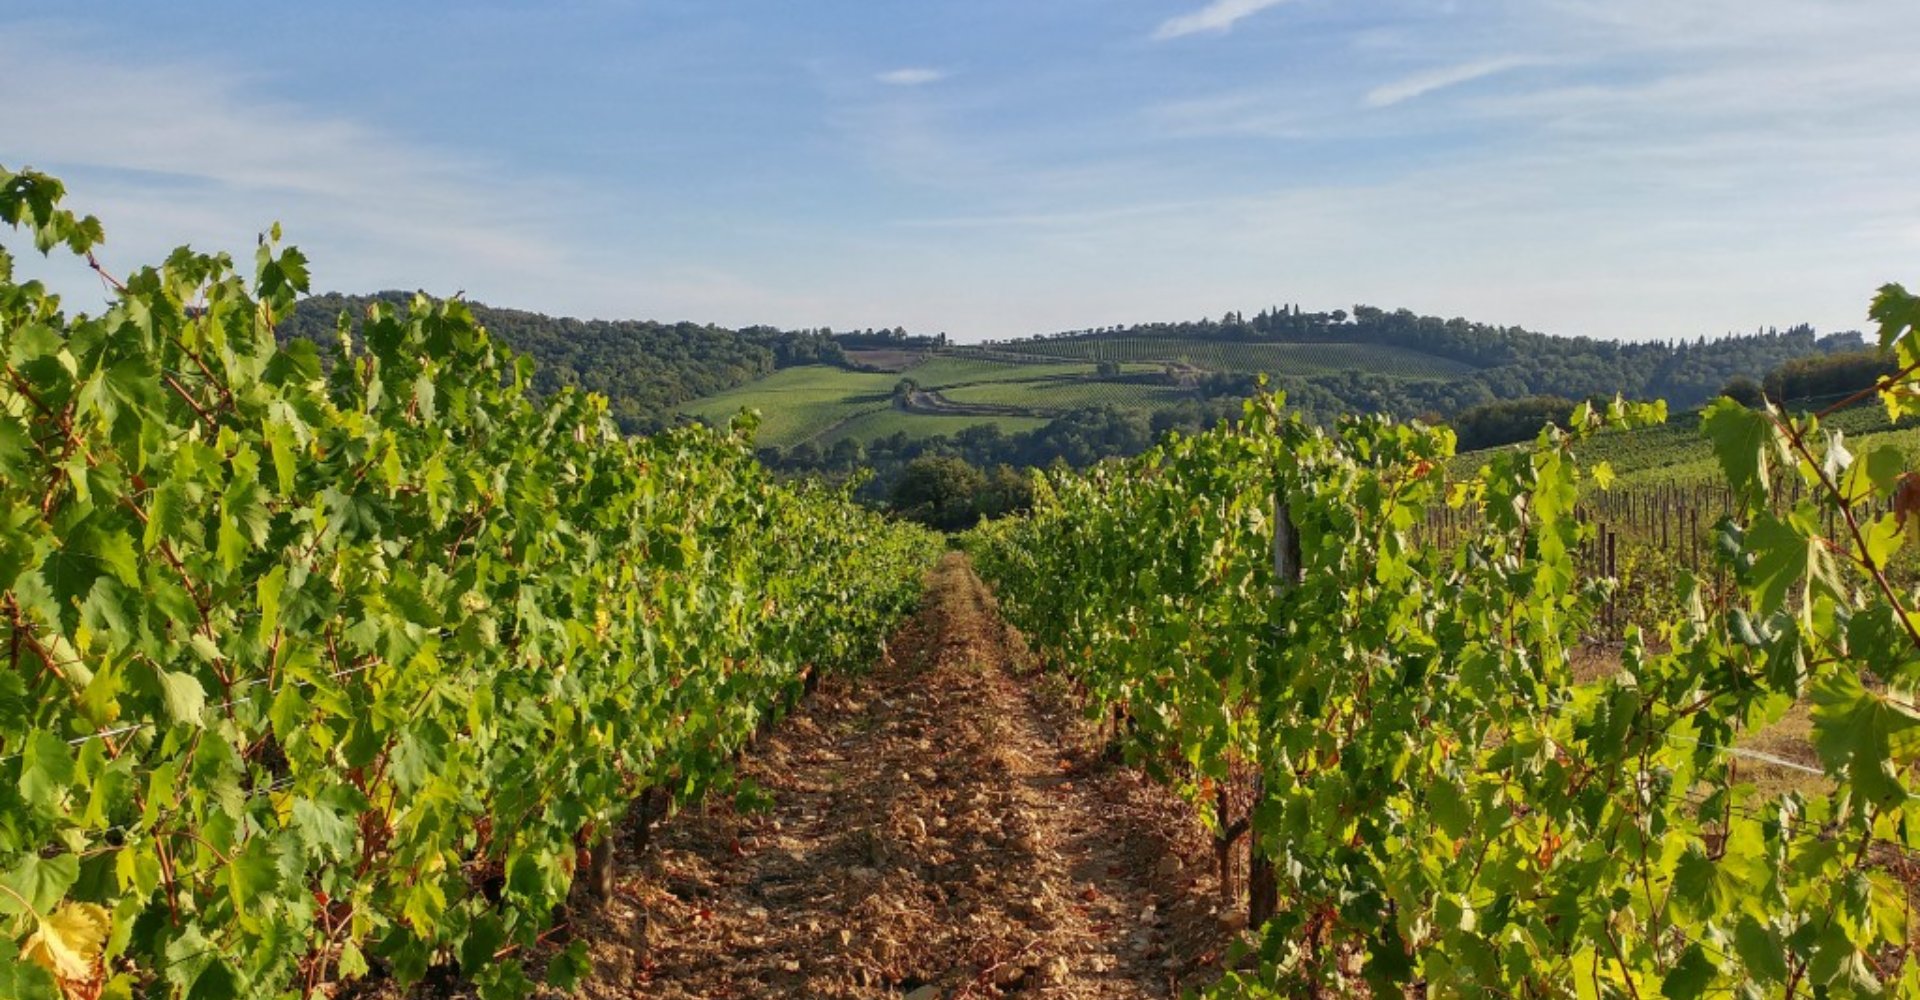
[(1619, 168)]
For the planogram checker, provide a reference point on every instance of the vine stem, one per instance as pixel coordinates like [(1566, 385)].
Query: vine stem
[(1883, 384), (22, 900)]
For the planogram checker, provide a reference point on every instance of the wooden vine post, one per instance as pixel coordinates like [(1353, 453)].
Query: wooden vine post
[(1263, 894)]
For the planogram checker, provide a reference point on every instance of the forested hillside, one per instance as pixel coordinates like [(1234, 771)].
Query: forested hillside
[(1505, 362), (1082, 396), (643, 367)]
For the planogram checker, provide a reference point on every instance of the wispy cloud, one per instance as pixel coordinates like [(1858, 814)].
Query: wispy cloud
[(1219, 16), (173, 153), (1422, 84), (912, 76)]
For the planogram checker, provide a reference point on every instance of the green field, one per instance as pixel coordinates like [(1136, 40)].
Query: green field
[(940, 372), (797, 404), (1069, 395), (823, 405), (870, 426), (1236, 356), (1040, 378)]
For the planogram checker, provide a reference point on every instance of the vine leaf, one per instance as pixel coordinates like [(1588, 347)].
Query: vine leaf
[(1784, 557), (46, 770), (39, 882), (1863, 733), (1691, 976), (69, 940), (1747, 444), (184, 696)]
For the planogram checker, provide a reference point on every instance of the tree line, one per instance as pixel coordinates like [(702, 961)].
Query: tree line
[(644, 368), (1511, 362)]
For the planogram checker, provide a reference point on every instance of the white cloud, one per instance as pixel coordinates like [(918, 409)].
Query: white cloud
[(912, 76), (1219, 16), (1422, 84), (172, 154)]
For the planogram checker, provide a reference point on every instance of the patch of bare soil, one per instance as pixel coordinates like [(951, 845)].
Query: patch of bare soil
[(938, 828)]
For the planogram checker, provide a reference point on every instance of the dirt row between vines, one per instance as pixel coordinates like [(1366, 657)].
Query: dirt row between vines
[(943, 827)]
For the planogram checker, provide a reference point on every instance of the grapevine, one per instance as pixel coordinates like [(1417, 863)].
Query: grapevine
[(1437, 802), (317, 668)]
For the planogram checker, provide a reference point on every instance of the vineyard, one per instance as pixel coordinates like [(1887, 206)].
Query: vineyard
[(1228, 356), (358, 670), (325, 668), (1361, 669)]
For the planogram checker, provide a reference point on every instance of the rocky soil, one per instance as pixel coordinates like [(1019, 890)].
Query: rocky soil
[(942, 827)]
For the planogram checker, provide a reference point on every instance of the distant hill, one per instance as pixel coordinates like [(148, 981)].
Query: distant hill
[(1403, 363), (643, 368), (838, 402)]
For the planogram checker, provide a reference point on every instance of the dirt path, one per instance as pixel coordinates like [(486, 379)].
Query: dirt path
[(940, 828)]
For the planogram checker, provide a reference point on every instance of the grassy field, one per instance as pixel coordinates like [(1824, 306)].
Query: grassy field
[(867, 427), (941, 372), (822, 404), (797, 404), (1234, 356), (1062, 396)]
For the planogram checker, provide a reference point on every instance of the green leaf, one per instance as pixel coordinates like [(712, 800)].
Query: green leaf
[(1762, 951), (1873, 476), (526, 877), (484, 937), (1867, 735), (252, 873), (284, 447), (217, 981), (1747, 444), (40, 882), (1782, 558), (1690, 976), (46, 770), (168, 516), (271, 586), (324, 833), (114, 549), (1898, 314), (184, 697), (25, 980), (1702, 884), (423, 397), (1450, 808)]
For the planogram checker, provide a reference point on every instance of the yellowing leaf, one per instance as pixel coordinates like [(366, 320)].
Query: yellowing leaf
[(68, 942)]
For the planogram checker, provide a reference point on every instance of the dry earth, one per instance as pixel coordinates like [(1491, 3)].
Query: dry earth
[(943, 827)]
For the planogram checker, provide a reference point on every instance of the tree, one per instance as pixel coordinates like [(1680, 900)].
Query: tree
[(940, 492), (1745, 391), (1006, 491), (1827, 376)]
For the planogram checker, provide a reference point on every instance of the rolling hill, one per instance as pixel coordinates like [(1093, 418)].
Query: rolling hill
[(844, 400)]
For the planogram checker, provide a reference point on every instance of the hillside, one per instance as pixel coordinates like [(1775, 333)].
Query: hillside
[(822, 406), (1085, 395), (644, 368), (839, 401), (1404, 363)]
